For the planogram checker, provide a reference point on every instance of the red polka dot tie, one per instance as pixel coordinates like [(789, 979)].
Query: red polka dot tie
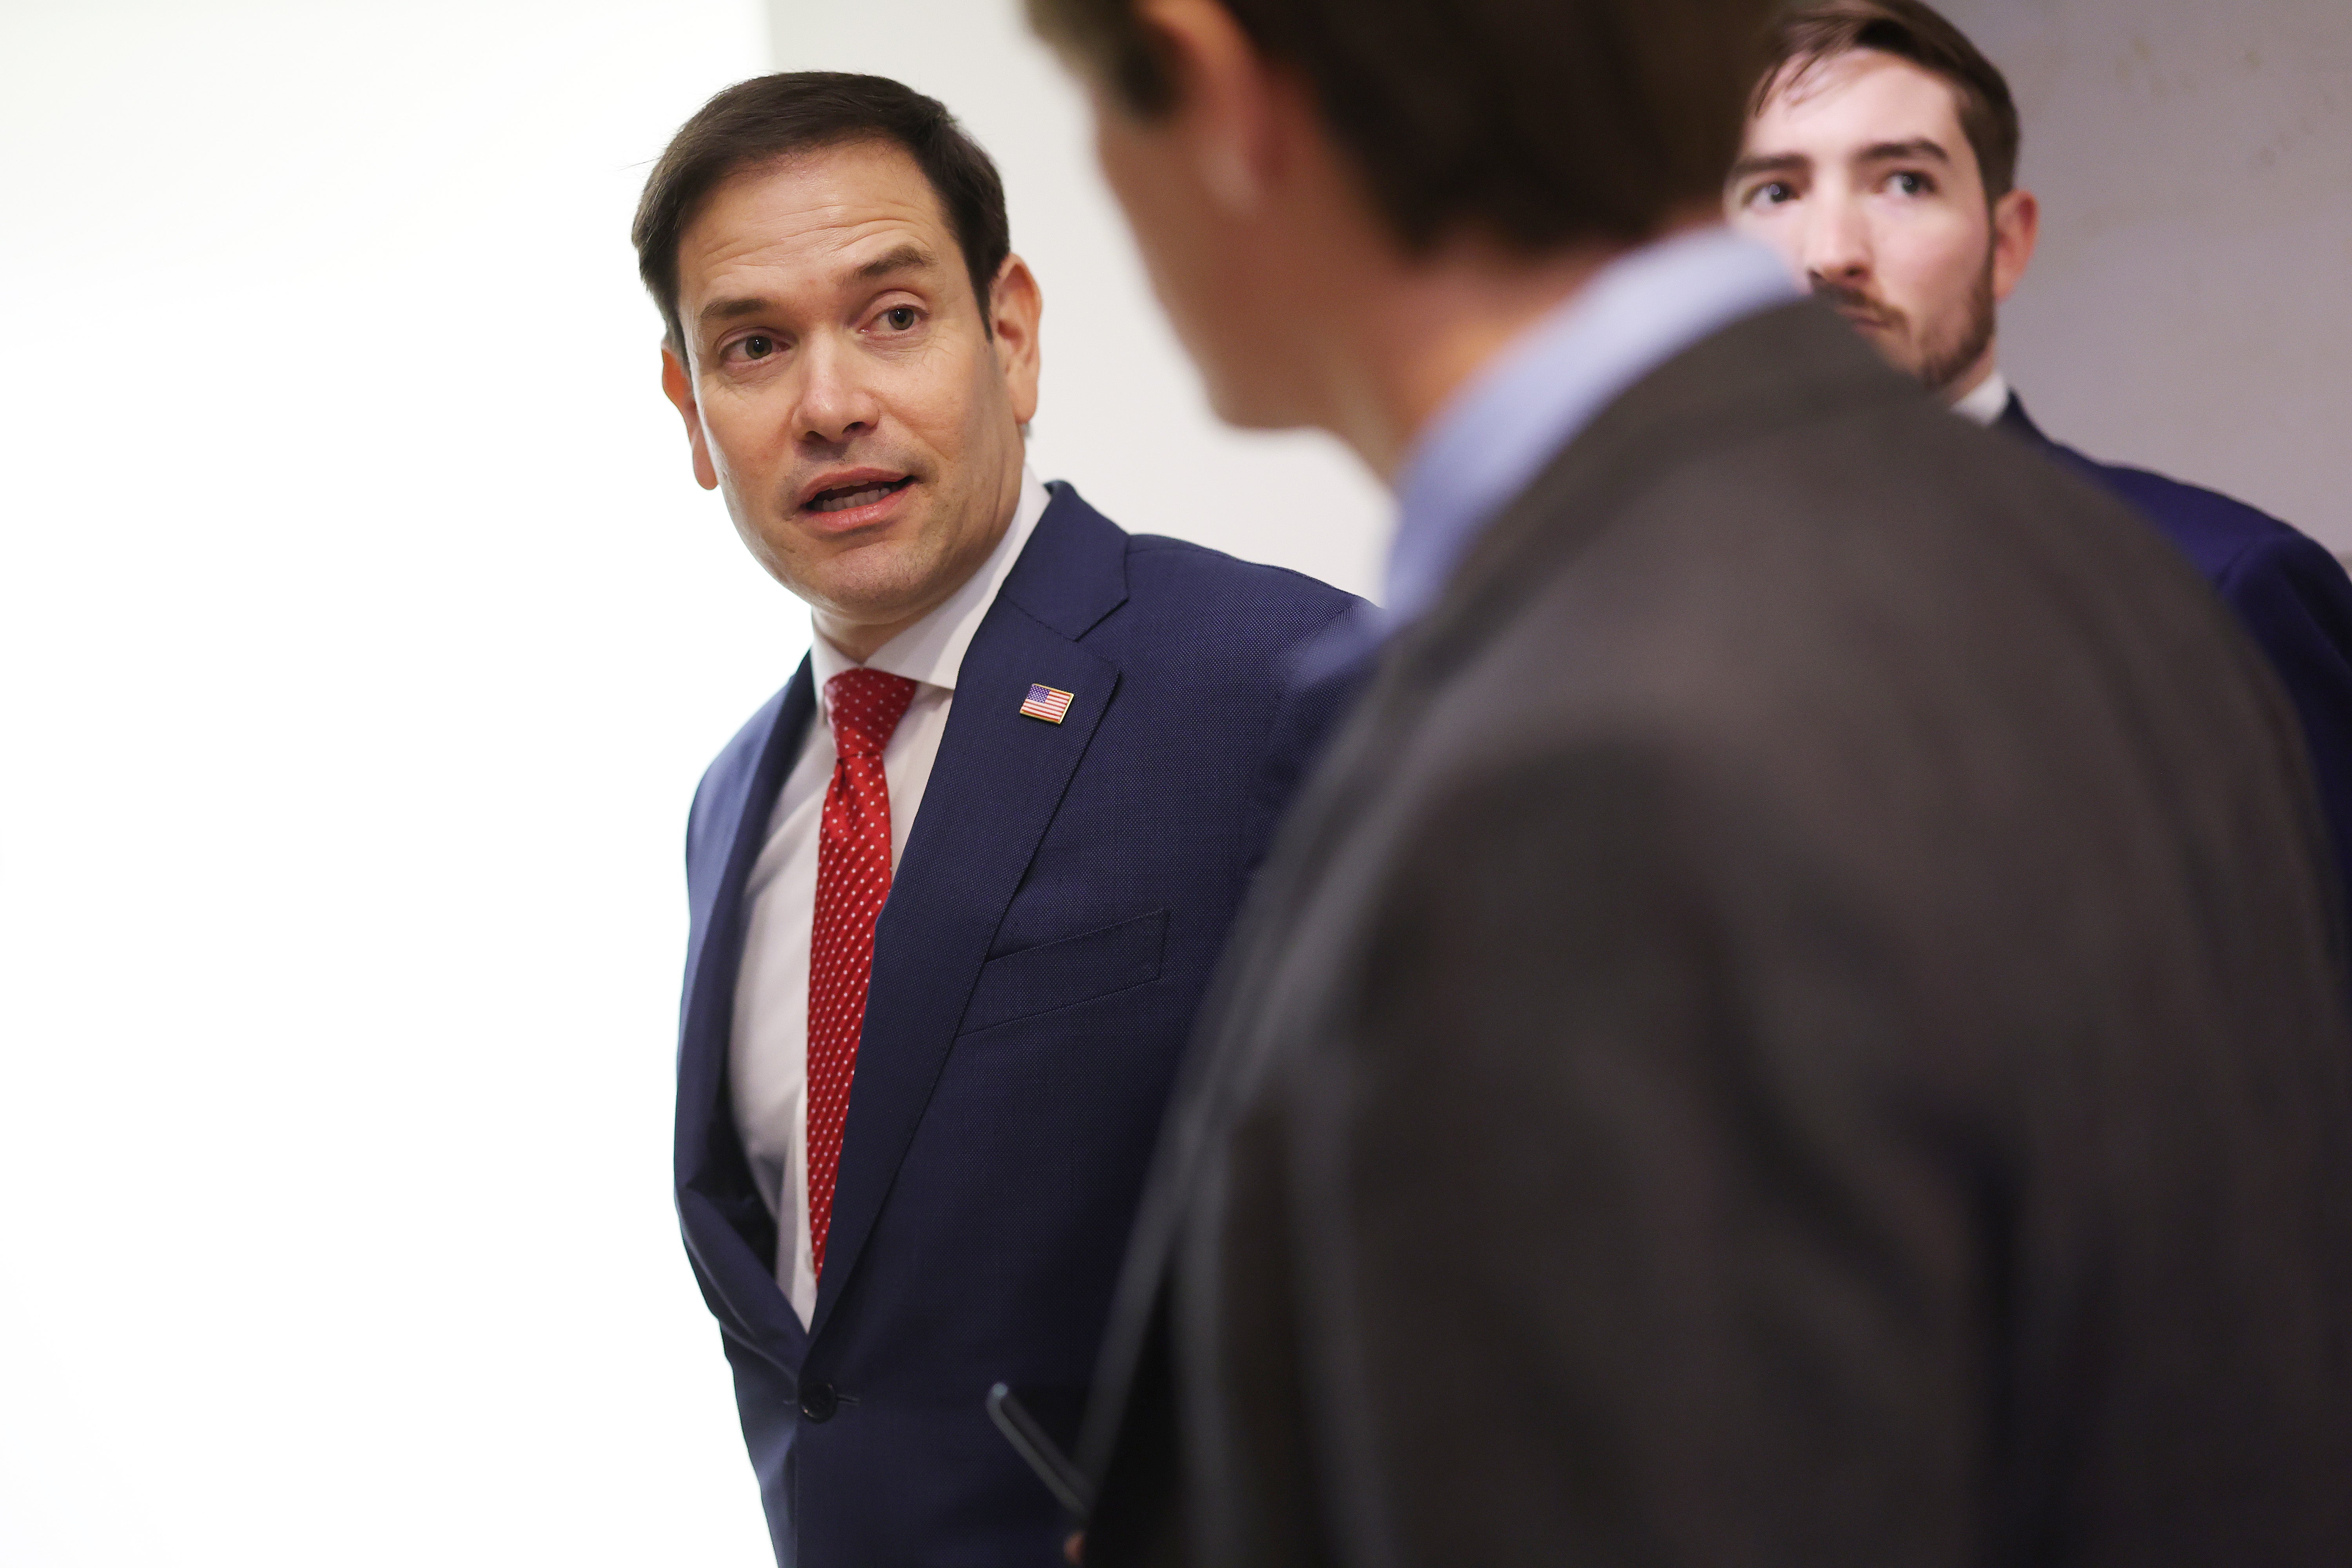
[(853, 878)]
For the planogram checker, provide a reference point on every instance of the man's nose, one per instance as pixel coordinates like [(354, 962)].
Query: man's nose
[(836, 403), (1837, 243)]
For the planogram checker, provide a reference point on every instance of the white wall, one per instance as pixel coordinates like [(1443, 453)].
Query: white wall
[(361, 639), (1122, 414), (2191, 307)]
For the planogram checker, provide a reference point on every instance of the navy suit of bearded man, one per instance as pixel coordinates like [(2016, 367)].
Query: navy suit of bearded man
[(1101, 731)]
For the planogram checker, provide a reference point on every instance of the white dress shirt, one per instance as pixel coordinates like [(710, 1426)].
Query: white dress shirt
[(768, 1056), (1987, 402)]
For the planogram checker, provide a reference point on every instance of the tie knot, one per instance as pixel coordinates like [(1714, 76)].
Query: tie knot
[(865, 707)]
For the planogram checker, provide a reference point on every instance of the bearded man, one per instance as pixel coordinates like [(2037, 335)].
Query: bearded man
[(1881, 163)]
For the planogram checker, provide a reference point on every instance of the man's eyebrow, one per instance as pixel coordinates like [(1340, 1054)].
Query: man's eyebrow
[(905, 258), (1771, 164), (728, 310), (1917, 148)]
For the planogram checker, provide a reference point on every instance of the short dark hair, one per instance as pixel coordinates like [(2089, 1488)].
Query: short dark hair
[(1535, 122), (1805, 36), (759, 121)]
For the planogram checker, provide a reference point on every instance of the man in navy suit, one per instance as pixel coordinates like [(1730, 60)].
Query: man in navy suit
[(957, 888), (1881, 161)]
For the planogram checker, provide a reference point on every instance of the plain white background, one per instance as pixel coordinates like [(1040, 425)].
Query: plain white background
[(360, 639), (361, 635)]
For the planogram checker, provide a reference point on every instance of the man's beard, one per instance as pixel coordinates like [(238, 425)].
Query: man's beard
[(1937, 358)]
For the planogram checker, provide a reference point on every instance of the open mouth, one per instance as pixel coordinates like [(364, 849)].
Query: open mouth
[(865, 493)]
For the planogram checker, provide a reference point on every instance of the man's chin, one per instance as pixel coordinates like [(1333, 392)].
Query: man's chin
[(812, 549), (875, 583), (1894, 346)]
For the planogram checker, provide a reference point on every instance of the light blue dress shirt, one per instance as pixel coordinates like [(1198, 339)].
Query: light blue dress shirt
[(1497, 433)]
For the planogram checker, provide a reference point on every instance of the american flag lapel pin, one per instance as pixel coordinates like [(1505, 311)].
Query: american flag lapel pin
[(1045, 702)]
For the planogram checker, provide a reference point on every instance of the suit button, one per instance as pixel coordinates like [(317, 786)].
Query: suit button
[(818, 1401)]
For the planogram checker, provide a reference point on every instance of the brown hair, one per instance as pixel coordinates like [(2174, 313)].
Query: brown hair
[(771, 117), (1805, 36), (1537, 122)]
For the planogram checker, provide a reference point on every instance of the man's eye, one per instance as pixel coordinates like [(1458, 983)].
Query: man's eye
[(1773, 193), (758, 346), (900, 317), (1911, 184)]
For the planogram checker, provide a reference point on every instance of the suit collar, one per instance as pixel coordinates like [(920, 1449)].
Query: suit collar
[(2017, 421), (1758, 376), (1075, 572), (1496, 432)]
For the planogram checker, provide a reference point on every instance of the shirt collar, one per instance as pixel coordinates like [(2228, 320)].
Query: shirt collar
[(1494, 434), (1988, 402), (932, 650)]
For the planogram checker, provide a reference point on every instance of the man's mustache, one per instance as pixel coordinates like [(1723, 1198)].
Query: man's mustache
[(1860, 305)]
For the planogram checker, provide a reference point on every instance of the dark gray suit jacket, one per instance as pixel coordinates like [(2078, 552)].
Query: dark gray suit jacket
[(1798, 1024)]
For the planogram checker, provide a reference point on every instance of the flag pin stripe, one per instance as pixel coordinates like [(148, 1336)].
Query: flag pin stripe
[(1045, 702)]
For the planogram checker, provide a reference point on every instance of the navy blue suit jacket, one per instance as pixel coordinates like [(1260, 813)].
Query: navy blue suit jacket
[(2287, 591), (1057, 911)]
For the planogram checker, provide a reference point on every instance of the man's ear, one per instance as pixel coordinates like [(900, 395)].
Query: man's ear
[(678, 387), (2016, 227), (1226, 99), (1014, 305)]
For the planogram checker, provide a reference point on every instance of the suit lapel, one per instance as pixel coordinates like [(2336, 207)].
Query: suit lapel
[(727, 1226), (2017, 421), (999, 777)]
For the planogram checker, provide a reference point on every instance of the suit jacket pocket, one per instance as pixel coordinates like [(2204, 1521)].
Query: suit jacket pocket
[(1062, 973)]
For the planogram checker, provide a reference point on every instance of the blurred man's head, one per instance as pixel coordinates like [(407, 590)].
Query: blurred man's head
[(851, 344), (1277, 158), (1881, 163)]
